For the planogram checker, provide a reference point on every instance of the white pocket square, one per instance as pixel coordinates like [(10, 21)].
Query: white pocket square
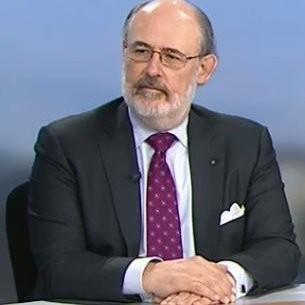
[(235, 212)]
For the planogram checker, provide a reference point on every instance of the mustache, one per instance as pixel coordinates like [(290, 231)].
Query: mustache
[(153, 83)]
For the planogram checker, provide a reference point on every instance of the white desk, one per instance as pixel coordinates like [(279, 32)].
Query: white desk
[(289, 296)]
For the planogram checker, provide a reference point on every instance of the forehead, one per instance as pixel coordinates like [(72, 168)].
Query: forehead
[(166, 26)]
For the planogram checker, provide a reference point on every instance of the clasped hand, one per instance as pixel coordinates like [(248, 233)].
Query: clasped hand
[(191, 281)]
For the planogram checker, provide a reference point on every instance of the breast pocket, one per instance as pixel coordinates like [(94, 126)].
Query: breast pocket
[(231, 236)]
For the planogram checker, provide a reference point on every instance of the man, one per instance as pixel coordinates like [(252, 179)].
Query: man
[(149, 197)]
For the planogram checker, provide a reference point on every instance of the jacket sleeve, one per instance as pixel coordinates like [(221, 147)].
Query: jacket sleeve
[(67, 268), (269, 252)]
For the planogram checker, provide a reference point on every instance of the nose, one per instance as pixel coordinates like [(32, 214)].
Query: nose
[(154, 66)]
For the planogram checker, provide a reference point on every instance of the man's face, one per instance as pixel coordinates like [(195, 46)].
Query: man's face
[(151, 89)]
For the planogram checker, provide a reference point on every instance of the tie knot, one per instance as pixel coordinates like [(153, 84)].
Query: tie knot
[(161, 141)]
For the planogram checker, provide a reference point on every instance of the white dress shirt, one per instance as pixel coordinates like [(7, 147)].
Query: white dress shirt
[(178, 161)]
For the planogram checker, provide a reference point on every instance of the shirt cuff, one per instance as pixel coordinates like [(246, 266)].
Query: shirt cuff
[(244, 281), (132, 283)]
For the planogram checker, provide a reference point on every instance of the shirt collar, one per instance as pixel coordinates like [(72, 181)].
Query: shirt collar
[(141, 132)]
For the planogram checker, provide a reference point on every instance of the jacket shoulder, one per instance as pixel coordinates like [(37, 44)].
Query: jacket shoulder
[(86, 121), (227, 122)]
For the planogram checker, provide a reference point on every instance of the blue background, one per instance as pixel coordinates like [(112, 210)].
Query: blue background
[(62, 57)]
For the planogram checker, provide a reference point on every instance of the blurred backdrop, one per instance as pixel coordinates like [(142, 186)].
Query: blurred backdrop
[(63, 57)]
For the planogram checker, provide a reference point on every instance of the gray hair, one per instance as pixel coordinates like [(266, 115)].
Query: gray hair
[(208, 43)]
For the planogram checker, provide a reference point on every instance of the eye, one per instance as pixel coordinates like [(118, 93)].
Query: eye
[(141, 51), (172, 56)]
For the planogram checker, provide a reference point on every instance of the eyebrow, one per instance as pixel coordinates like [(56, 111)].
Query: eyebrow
[(140, 43), (144, 44)]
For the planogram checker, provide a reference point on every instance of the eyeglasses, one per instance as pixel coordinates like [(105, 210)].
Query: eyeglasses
[(171, 58)]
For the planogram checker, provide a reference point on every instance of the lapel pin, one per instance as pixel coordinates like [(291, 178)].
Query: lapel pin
[(213, 162)]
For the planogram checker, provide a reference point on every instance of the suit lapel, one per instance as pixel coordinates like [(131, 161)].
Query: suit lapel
[(205, 146), (207, 172), (119, 158)]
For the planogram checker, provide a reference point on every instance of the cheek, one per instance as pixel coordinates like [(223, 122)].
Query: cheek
[(187, 80), (132, 72), (179, 85)]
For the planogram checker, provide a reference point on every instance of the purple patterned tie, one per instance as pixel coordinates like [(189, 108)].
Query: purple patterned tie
[(163, 222)]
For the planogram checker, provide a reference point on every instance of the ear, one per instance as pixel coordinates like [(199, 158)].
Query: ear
[(207, 67)]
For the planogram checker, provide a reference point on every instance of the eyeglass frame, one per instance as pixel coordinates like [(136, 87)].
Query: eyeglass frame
[(161, 54)]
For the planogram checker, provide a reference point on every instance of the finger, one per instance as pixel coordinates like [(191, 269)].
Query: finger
[(233, 298), (203, 301), (192, 298), (183, 298), (157, 300), (223, 267), (214, 288), (219, 272), (203, 290), (179, 298), (168, 300), (213, 275), (219, 281), (232, 280), (229, 275), (234, 290)]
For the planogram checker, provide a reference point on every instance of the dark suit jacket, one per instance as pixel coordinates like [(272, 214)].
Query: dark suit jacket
[(84, 208)]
